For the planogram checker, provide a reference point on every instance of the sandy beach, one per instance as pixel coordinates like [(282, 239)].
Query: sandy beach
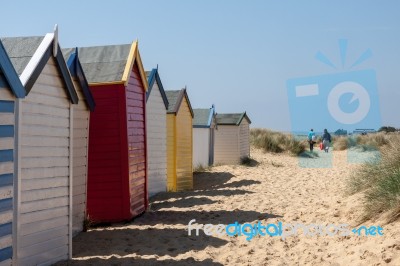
[(276, 190)]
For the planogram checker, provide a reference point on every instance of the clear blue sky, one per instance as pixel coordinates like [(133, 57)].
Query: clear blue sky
[(235, 54)]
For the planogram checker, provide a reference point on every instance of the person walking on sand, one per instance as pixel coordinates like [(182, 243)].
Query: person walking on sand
[(326, 140), (311, 139)]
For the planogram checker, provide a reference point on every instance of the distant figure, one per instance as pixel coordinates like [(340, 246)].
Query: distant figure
[(326, 140), (311, 139)]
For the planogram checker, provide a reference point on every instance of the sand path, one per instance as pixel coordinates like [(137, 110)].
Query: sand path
[(275, 190)]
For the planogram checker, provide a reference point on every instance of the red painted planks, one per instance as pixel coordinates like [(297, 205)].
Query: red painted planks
[(104, 168), (117, 182), (137, 142)]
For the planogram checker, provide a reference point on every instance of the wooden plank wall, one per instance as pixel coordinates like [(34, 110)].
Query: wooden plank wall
[(43, 223), (226, 144), (184, 148), (201, 146), (105, 187), (7, 175), (81, 115), (244, 138), (156, 117), (171, 152), (136, 108)]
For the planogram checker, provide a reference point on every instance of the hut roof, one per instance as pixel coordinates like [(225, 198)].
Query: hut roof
[(7, 70), (21, 49), (29, 56), (175, 98), (76, 70), (153, 76), (203, 117), (110, 63), (231, 119)]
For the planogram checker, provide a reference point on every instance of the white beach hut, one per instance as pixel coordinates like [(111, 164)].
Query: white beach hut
[(232, 138), (81, 117), (203, 137), (156, 116), (42, 232)]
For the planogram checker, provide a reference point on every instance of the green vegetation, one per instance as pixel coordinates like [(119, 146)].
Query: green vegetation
[(87, 223), (372, 141), (380, 182), (276, 142), (201, 168), (387, 129)]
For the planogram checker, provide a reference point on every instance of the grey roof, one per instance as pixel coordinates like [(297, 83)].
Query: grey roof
[(67, 53), (148, 75), (201, 116), (231, 119), (102, 63), (172, 97), (20, 50)]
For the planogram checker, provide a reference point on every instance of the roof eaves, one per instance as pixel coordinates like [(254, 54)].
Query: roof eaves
[(141, 69), (36, 64), (151, 81), (133, 56), (62, 66), (188, 101), (162, 91), (76, 70), (211, 115), (244, 115), (178, 101), (10, 74), (240, 119)]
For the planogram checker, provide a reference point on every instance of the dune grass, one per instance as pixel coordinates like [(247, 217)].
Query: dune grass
[(201, 168), (380, 181), (276, 142), (365, 142)]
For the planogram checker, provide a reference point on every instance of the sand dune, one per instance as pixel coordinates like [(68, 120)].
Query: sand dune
[(277, 189)]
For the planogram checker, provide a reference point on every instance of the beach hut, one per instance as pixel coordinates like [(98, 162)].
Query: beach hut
[(156, 118), (80, 134), (179, 141), (203, 137), (43, 184), (11, 91), (117, 174), (232, 138)]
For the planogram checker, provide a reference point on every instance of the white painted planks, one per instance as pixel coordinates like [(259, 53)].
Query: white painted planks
[(156, 141), (44, 201), (226, 144), (80, 134), (201, 146)]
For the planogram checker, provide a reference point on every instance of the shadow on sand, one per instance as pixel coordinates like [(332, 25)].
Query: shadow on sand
[(146, 241), (218, 180), (113, 260), (169, 217), (124, 245)]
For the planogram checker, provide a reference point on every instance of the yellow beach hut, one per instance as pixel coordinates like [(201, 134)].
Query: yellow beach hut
[(179, 141)]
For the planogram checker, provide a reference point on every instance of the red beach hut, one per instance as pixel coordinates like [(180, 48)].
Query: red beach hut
[(117, 166)]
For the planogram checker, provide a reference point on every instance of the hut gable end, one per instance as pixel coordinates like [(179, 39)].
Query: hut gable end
[(45, 168)]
